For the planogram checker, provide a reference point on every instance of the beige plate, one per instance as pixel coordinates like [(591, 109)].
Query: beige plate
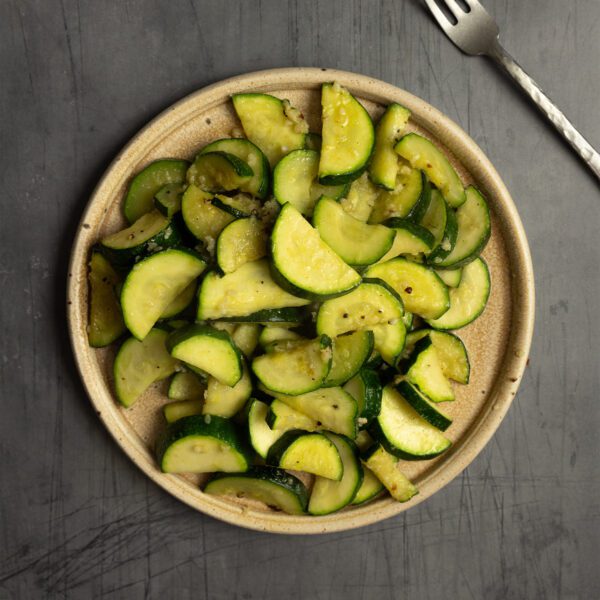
[(498, 342)]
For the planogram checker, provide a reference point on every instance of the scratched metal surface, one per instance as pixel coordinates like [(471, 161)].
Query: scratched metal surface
[(77, 519)]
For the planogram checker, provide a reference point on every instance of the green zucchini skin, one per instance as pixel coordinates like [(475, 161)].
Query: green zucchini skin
[(445, 247), (219, 171), (168, 199), (209, 426), (424, 406), (418, 211), (140, 196), (252, 155), (365, 387), (265, 479), (350, 352), (291, 314)]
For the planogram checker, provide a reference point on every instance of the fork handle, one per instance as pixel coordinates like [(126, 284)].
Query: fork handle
[(556, 117)]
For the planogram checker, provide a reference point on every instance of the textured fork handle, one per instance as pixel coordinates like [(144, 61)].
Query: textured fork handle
[(556, 117)]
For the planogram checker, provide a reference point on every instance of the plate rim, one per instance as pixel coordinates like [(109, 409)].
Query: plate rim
[(514, 360)]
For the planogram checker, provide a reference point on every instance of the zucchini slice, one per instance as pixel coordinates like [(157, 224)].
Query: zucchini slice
[(355, 242), (246, 291), (402, 200), (174, 411), (372, 303), (295, 180), (303, 263), (139, 364), (385, 468), (474, 228), (370, 487), (242, 241), (272, 124), (410, 238), (327, 495), (361, 198), (251, 154), (294, 367), (186, 386), (451, 277), (308, 452), (389, 340), (154, 283), (404, 433), (181, 302), (350, 352), (238, 206), (435, 217), (281, 417), (365, 388), (275, 334), (332, 408), (272, 486), (313, 141), (261, 436), (246, 337), (208, 349), (424, 369), (202, 444), (422, 154), (449, 238), (450, 349), (105, 322), (168, 199), (140, 196), (282, 317), (423, 406), (219, 171), (384, 164), (151, 233), (468, 300), (202, 219), (348, 136), (421, 290), (224, 400)]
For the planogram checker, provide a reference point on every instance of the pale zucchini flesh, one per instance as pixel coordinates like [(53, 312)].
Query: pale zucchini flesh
[(244, 240), (385, 468)]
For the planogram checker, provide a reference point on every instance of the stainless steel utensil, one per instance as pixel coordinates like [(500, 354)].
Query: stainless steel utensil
[(476, 32)]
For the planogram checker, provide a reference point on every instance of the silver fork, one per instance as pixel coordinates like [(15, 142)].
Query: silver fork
[(475, 33)]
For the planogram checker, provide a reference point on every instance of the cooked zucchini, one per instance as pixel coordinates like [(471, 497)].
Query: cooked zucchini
[(328, 495), (294, 367), (474, 228), (151, 233), (186, 386), (403, 432), (360, 199), (451, 277), (243, 240), (202, 444), (225, 400), (174, 411), (422, 154), (384, 163), (105, 322), (355, 242), (273, 125), (272, 486), (424, 369), (251, 154), (348, 136), (140, 196), (219, 171), (247, 290), (139, 364), (295, 180), (282, 417), (350, 352), (421, 290), (204, 220), (208, 349), (303, 263), (365, 388), (261, 436), (423, 406), (402, 200), (246, 337), (449, 237), (332, 408), (385, 468), (154, 283), (274, 334), (435, 217), (168, 199), (309, 452), (410, 238), (369, 489), (181, 302), (468, 300)]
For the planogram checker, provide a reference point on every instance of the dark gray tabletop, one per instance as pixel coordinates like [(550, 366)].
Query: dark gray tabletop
[(78, 519)]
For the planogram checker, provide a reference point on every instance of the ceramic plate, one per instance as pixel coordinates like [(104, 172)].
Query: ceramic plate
[(498, 342)]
